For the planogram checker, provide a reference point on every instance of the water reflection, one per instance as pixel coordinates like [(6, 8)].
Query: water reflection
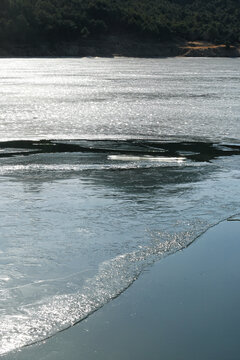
[(89, 161)]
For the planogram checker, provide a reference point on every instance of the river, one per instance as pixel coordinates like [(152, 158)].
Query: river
[(106, 166)]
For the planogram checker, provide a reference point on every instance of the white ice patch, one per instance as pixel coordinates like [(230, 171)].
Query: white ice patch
[(162, 159)]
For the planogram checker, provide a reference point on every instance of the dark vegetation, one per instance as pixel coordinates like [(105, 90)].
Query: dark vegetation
[(35, 22)]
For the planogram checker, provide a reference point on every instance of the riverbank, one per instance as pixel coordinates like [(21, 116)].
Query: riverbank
[(116, 46), (185, 307)]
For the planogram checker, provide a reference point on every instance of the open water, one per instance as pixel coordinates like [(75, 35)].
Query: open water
[(106, 166)]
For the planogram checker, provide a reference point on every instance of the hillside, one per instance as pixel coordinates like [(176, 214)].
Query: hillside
[(45, 27)]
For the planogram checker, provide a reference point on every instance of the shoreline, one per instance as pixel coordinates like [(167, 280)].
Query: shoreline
[(185, 306), (117, 47)]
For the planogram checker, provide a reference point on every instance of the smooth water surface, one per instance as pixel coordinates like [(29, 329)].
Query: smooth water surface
[(106, 165)]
